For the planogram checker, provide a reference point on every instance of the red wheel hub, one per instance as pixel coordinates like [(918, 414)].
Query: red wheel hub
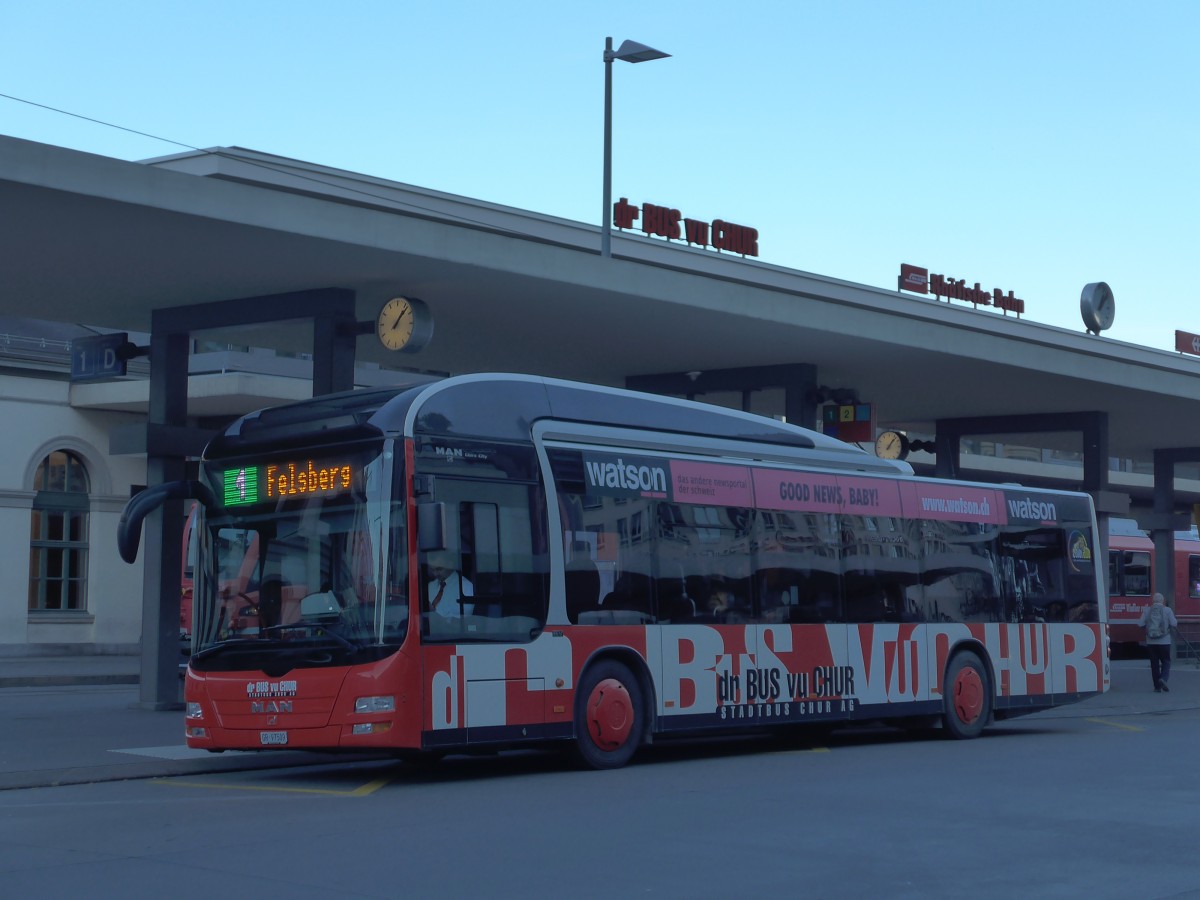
[(610, 714), (968, 695)]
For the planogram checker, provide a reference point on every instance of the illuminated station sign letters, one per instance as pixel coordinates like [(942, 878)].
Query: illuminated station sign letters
[(288, 478), (663, 221), (918, 280)]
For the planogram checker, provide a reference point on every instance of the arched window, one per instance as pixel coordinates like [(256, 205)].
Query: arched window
[(58, 548)]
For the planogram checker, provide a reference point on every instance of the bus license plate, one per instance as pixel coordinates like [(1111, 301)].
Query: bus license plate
[(272, 738)]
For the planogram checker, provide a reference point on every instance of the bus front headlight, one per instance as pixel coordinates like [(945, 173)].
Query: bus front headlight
[(382, 704)]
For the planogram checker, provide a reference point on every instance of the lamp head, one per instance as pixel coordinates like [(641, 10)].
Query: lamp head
[(632, 51)]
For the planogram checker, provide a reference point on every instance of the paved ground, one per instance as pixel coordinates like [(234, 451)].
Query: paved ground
[(78, 719), (72, 670), (75, 720)]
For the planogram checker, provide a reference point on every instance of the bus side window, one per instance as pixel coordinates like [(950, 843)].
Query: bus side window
[(496, 533), (582, 586), (797, 568), (674, 604), (961, 572), (481, 546), (880, 563)]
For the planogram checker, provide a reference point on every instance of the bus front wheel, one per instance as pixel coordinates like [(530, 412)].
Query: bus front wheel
[(608, 716), (967, 696)]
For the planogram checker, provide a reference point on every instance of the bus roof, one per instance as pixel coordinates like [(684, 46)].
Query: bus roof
[(506, 406)]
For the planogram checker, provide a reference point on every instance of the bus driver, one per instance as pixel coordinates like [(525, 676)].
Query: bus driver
[(447, 588)]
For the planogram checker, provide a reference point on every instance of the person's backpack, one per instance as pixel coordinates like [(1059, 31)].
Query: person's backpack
[(1156, 624)]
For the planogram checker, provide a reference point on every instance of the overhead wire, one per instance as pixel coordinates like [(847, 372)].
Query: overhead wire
[(385, 200)]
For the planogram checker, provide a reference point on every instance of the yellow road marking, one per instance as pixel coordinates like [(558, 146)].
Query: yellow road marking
[(370, 787), (1116, 724), (367, 789)]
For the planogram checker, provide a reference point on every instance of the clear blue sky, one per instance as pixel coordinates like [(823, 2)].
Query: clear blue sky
[(1030, 146)]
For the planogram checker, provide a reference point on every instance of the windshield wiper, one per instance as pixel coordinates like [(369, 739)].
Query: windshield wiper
[(345, 642), (224, 645)]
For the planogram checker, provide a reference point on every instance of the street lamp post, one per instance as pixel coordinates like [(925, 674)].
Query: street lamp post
[(630, 51)]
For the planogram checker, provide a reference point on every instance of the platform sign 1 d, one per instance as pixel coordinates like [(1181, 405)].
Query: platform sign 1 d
[(851, 422), (102, 356)]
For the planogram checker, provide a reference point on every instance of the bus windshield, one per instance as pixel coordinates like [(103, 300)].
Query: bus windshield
[(294, 568)]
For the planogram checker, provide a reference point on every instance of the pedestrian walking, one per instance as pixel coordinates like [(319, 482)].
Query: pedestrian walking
[(1158, 619)]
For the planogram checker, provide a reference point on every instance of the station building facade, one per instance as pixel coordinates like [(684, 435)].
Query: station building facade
[(62, 585)]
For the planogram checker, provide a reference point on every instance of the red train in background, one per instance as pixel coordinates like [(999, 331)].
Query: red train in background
[(1131, 582)]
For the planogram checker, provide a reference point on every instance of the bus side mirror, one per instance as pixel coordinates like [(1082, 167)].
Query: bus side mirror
[(140, 505), (431, 526)]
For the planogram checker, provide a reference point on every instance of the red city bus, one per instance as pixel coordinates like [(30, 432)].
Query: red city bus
[(1131, 582), (498, 560)]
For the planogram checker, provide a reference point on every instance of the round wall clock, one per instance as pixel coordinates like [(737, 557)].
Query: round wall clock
[(404, 324), (891, 445), (1097, 306)]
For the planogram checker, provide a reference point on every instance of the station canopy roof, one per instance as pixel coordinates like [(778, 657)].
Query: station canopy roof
[(89, 239)]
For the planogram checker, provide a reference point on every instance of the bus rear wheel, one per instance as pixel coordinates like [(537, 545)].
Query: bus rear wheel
[(967, 696), (608, 716)]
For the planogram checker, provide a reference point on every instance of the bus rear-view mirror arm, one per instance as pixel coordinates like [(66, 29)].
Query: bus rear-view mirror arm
[(431, 526), (129, 529)]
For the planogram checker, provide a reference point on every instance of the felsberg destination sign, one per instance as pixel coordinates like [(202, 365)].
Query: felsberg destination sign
[(276, 481)]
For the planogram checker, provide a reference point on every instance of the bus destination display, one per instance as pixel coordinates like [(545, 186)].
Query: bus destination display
[(290, 478)]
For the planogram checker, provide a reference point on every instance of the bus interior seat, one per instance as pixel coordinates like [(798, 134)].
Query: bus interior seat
[(614, 617), (778, 599), (527, 606), (696, 587), (814, 605), (582, 587), (631, 592), (674, 605)]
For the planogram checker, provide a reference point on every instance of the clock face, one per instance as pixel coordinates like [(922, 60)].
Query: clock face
[(891, 445), (403, 324), (1097, 306)]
